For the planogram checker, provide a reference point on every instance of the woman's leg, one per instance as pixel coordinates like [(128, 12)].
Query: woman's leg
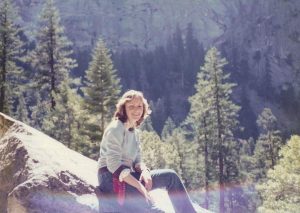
[(167, 178), (107, 198), (135, 201)]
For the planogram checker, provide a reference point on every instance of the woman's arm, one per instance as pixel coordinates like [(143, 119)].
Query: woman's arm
[(138, 185), (113, 145)]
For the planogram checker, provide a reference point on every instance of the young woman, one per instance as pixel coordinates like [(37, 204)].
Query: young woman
[(124, 181)]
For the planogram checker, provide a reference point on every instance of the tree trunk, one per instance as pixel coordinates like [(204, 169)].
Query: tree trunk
[(271, 144), (3, 74), (220, 150), (51, 63), (206, 202)]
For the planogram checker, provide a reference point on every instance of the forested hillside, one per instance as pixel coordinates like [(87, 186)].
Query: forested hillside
[(221, 78)]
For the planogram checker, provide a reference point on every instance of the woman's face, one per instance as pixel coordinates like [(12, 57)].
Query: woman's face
[(134, 109)]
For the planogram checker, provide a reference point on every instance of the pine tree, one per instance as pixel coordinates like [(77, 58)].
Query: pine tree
[(39, 110), (10, 53), (158, 154), (281, 192), (247, 163), (187, 153), (147, 125), (168, 128), (246, 168), (101, 91), (193, 58), (268, 143), (51, 57), (151, 146), (22, 111), (265, 85), (214, 110), (247, 116), (198, 118), (63, 122)]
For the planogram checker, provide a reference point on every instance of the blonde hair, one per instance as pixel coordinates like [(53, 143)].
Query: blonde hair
[(128, 96)]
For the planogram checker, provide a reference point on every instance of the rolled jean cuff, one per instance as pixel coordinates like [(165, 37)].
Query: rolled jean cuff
[(123, 174)]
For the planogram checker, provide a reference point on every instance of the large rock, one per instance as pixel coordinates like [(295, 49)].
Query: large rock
[(40, 174)]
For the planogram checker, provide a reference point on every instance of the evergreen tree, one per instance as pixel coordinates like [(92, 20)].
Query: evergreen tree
[(281, 192), (193, 58), (11, 45), (63, 122), (158, 113), (168, 128), (247, 161), (187, 152), (101, 91), (147, 125), (51, 57), (157, 154), (219, 116), (268, 143), (266, 88), (237, 199), (22, 111), (152, 151), (246, 168), (39, 109), (198, 118), (247, 116)]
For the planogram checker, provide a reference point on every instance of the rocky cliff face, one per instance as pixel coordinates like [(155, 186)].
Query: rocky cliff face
[(124, 24), (261, 40), (39, 174)]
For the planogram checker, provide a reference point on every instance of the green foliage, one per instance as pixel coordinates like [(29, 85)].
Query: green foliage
[(56, 108), (101, 91), (168, 128), (214, 118), (22, 111), (11, 50), (157, 154), (247, 162), (268, 143), (39, 110), (265, 86), (51, 58), (147, 125), (190, 162), (63, 122), (281, 192)]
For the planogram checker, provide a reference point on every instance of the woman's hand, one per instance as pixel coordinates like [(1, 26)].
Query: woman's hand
[(139, 186), (146, 177), (144, 192)]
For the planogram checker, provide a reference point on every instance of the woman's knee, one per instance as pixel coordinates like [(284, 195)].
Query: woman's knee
[(170, 173)]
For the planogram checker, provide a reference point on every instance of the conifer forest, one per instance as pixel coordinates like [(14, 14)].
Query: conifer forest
[(223, 85)]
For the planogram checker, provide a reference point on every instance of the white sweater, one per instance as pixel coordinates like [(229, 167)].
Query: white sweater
[(119, 147)]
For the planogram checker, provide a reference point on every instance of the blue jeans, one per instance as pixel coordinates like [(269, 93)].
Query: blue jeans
[(135, 202)]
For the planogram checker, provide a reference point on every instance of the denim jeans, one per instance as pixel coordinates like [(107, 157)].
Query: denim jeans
[(135, 202)]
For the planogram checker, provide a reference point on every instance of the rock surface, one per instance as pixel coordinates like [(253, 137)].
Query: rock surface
[(39, 174), (123, 24)]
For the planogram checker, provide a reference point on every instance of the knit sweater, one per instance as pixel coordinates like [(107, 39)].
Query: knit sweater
[(119, 147)]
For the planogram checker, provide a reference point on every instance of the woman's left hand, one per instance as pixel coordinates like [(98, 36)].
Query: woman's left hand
[(146, 177)]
